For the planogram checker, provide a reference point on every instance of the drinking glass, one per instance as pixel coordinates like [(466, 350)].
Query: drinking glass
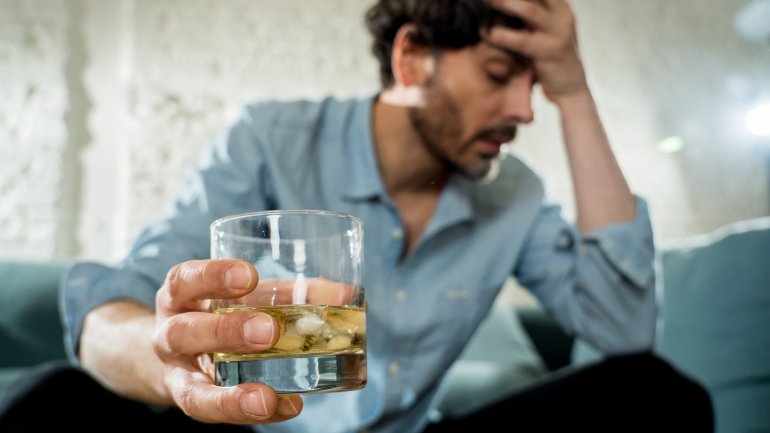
[(310, 266)]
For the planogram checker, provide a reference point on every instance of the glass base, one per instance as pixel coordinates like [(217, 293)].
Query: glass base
[(313, 374)]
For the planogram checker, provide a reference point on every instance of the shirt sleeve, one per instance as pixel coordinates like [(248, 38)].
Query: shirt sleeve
[(599, 286), (231, 178)]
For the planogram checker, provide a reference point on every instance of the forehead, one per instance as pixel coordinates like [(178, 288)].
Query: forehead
[(487, 52), (479, 56), (483, 53)]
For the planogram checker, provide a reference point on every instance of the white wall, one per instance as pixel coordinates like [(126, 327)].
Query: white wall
[(104, 104), (36, 149)]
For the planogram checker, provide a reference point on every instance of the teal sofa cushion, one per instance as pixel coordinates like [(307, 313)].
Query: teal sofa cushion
[(30, 328), (499, 359), (716, 320)]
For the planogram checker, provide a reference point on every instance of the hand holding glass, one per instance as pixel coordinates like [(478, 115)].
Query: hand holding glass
[(310, 266)]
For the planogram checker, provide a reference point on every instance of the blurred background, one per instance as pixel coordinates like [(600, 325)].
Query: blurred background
[(105, 104)]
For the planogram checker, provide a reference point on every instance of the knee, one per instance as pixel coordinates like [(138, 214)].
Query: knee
[(681, 397)]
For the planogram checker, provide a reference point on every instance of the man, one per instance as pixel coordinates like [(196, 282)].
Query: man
[(414, 163)]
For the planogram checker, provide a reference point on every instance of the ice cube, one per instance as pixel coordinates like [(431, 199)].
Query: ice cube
[(339, 342), (355, 319), (309, 324)]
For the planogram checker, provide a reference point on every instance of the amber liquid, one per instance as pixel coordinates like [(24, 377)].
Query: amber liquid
[(321, 348)]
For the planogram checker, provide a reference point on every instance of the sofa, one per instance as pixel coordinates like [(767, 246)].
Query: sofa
[(30, 328), (715, 327)]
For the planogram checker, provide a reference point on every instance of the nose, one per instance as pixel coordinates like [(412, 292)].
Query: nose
[(517, 104)]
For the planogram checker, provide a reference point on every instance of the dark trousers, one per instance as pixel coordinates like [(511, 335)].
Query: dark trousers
[(631, 393), (56, 397), (621, 394)]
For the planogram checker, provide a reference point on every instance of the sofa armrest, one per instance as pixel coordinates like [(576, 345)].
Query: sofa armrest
[(30, 328), (553, 345)]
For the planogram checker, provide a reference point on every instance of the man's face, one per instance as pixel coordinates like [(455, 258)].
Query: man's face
[(473, 103)]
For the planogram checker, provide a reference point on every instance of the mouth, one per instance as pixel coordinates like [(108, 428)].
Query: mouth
[(490, 147), (490, 142)]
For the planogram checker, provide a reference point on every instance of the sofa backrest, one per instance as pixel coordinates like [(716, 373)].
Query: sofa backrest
[(30, 328), (716, 320)]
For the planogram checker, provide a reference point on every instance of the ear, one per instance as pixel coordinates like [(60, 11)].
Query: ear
[(411, 62)]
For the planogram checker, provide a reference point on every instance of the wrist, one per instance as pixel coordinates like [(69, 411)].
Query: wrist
[(127, 365), (577, 99)]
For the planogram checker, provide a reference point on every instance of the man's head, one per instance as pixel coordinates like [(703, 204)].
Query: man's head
[(439, 24), (472, 95)]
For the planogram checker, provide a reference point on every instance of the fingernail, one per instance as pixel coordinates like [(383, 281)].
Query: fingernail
[(238, 277), (287, 408), (253, 403), (259, 329)]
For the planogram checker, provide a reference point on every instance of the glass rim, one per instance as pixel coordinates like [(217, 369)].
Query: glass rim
[(318, 212)]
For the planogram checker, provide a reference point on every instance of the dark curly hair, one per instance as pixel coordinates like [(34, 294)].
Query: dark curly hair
[(441, 24)]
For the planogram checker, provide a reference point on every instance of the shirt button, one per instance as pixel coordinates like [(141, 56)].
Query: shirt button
[(565, 243), (400, 295), (394, 368), (397, 234)]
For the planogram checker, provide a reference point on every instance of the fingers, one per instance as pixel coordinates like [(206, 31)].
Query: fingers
[(198, 332), (535, 14), (550, 33), (557, 5), (327, 292), (271, 291), (251, 403), (319, 291), (531, 45), (190, 282)]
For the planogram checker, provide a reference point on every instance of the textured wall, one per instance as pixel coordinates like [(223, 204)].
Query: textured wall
[(35, 202), (195, 62), (661, 68), (159, 78)]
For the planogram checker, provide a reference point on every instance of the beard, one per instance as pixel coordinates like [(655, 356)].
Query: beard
[(440, 127)]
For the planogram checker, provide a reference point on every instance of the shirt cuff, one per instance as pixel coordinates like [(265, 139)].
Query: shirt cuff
[(629, 247), (86, 286)]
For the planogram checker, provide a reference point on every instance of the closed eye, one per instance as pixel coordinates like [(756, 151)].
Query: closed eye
[(498, 78), (500, 72)]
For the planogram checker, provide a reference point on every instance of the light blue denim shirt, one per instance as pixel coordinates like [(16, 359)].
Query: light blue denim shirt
[(422, 308)]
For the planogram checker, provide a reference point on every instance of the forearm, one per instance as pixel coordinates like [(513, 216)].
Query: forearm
[(601, 193), (116, 348), (604, 289)]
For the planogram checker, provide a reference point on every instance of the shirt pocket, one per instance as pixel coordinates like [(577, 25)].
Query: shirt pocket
[(453, 315)]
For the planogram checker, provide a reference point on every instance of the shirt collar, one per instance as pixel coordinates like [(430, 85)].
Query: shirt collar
[(365, 179), (455, 205)]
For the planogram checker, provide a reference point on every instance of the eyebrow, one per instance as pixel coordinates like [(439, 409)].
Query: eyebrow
[(517, 58)]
